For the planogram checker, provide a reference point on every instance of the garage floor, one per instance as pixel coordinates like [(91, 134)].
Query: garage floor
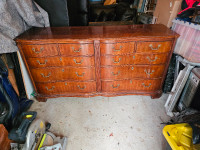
[(107, 123)]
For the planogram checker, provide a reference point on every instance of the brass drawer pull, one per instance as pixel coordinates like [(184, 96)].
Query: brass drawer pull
[(147, 86), (65, 83), (132, 68), (51, 89), (114, 87), (45, 62), (45, 76), (37, 52), (81, 88), (116, 61), (117, 50), (116, 74), (148, 72), (76, 50), (80, 75), (151, 59), (151, 46), (78, 62)]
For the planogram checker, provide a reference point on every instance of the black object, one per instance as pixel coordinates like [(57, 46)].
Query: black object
[(196, 102), (115, 12), (18, 74), (169, 80), (187, 12), (78, 12), (18, 133), (57, 11), (195, 132)]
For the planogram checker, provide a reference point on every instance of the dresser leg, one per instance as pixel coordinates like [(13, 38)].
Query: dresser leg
[(41, 99), (157, 95)]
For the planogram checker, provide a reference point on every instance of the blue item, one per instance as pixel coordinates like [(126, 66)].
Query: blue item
[(9, 96)]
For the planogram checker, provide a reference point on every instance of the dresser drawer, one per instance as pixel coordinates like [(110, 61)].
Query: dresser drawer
[(107, 60), (60, 74), (142, 59), (60, 61), (131, 85), (133, 71), (117, 48), (153, 47), (76, 49), (66, 87), (40, 50)]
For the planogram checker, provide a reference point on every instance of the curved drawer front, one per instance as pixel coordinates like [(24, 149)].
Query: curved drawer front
[(139, 59), (142, 59), (60, 61), (117, 48), (107, 60), (153, 47), (60, 74), (131, 85), (65, 87), (134, 71), (76, 49), (40, 50)]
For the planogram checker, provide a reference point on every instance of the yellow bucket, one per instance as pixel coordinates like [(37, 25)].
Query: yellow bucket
[(179, 137)]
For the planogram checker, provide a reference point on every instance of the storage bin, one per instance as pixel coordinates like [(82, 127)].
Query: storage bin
[(188, 44)]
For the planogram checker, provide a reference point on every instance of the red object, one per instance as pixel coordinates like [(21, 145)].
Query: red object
[(190, 4)]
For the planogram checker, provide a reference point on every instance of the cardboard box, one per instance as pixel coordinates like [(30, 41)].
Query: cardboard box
[(166, 11)]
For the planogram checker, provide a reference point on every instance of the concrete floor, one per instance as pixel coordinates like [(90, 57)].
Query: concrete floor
[(106, 123)]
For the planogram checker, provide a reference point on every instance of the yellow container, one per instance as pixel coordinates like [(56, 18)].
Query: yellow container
[(179, 137)]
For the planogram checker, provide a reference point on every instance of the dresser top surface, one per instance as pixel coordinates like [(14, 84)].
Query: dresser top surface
[(97, 32)]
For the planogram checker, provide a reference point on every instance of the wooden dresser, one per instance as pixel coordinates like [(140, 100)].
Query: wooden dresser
[(97, 60)]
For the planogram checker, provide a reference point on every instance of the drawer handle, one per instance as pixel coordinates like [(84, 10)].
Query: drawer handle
[(78, 62), (76, 50), (45, 62), (51, 89), (37, 52), (148, 72), (116, 74), (116, 61), (151, 60), (132, 68), (117, 50), (46, 76), (151, 46), (80, 75), (146, 85), (114, 87), (81, 88)]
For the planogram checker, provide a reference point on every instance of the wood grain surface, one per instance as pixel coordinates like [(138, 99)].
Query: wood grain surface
[(97, 60)]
